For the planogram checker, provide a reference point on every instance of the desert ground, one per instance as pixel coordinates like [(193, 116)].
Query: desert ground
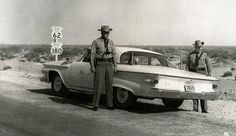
[(222, 112)]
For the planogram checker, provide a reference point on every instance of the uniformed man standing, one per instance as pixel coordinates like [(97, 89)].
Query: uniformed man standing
[(103, 64), (198, 61)]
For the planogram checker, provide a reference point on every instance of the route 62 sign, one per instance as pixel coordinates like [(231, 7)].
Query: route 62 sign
[(56, 32), (56, 49)]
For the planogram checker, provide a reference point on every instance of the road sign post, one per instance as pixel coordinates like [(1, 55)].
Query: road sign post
[(56, 48)]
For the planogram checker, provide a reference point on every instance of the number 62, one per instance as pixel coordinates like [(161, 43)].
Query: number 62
[(57, 35)]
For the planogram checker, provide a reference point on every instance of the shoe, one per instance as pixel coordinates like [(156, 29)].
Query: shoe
[(95, 109), (110, 108), (204, 111)]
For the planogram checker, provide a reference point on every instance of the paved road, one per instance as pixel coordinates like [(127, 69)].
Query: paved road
[(35, 111), (24, 119)]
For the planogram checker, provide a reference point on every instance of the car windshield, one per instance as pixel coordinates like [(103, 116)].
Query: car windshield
[(141, 58)]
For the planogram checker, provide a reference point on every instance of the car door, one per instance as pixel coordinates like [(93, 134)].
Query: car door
[(80, 74)]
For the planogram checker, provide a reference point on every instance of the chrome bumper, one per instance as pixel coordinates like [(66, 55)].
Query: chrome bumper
[(183, 95)]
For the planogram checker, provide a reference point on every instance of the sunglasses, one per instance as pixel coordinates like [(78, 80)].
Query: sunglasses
[(104, 32)]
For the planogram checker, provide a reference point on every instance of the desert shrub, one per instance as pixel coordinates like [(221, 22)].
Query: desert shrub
[(219, 59), (72, 51), (221, 53), (9, 52), (227, 74), (7, 67), (29, 56), (35, 53), (13, 49), (234, 56), (6, 54), (9, 56)]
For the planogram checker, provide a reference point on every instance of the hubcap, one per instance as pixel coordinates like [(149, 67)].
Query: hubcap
[(122, 95), (57, 84)]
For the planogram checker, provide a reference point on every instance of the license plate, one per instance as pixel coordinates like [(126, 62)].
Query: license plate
[(189, 88)]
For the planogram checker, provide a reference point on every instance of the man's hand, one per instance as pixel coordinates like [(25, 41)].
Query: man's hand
[(115, 69), (92, 69)]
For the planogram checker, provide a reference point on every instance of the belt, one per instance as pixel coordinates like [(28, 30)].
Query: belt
[(104, 60), (201, 69), (197, 69)]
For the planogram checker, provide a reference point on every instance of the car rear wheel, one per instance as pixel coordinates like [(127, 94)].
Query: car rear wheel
[(172, 103), (58, 86), (123, 98)]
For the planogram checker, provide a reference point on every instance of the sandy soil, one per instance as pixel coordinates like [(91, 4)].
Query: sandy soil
[(21, 72)]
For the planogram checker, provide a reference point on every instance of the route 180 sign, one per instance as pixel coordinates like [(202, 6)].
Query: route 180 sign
[(56, 49)]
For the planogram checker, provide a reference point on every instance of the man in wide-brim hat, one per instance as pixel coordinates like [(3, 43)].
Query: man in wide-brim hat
[(198, 61), (105, 28), (103, 64), (198, 44)]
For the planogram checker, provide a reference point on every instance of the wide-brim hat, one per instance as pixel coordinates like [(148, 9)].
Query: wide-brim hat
[(198, 43), (105, 28)]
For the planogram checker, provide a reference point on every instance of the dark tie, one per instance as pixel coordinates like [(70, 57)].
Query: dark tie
[(196, 60), (106, 44)]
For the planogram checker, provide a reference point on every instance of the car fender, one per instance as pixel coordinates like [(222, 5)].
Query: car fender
[(130, 86), (56, 71)]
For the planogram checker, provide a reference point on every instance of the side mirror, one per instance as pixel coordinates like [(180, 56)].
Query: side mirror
[(68, 59)]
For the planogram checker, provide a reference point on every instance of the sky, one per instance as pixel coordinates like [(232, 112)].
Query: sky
[(134, 22)]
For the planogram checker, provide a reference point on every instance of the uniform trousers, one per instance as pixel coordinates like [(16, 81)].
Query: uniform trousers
[(103, 80), (196, 101), (203, 104)]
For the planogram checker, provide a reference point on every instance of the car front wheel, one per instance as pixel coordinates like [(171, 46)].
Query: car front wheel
[(172, 103), (58, 86), (123, 98)]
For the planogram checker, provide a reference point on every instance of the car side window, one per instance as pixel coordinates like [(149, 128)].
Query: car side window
[(125, 58), (155, 61), (140, 59), (158, 60)]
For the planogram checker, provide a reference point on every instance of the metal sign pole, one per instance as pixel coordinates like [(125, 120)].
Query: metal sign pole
[(56, 57)]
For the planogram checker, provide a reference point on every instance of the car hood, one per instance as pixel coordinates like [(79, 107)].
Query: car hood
[(57, 63), (54, 63), (165, 71)]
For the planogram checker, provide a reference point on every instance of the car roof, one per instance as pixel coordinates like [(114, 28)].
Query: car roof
[(122, 50)]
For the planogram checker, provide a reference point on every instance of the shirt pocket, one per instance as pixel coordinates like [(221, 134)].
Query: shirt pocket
[(109, 47), (192, 59), (100, 49)]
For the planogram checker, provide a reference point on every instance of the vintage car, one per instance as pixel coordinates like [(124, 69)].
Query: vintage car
[(141, 74)]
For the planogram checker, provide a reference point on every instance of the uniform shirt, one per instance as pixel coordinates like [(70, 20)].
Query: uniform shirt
[(203, 61), (98, 50)]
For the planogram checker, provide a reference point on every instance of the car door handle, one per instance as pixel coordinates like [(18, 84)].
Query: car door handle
[(148, 80)]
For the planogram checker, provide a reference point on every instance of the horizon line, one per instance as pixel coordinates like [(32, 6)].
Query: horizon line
[(116, 45)]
